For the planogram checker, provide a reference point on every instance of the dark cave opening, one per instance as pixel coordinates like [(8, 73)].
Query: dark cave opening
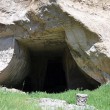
[(48, 74), (55, 72), (55, 80), (49, 78)]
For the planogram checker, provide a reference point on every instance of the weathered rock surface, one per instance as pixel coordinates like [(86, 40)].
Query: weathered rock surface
[(49, 25), (12, 90), (55, 104)]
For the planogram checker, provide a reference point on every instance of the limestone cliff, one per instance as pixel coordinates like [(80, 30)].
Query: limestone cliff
[(50, 25)]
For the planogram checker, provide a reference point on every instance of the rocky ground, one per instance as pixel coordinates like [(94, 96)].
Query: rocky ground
[(13, 90), (55, 104)]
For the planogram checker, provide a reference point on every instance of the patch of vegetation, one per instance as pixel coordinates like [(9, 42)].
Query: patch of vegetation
[(100, 98), (15, 101)]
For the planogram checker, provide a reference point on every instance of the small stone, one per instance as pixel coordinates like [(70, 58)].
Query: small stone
[(81, 99)]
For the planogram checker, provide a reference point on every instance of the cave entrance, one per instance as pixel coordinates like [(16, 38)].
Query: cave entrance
[(55, 73), (53, 69), (55, 80), (46, 74)]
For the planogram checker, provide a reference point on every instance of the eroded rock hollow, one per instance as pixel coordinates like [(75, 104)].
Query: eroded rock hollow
[(54, 45)]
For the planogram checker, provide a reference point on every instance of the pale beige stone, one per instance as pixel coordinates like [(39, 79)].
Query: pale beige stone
[(49, 25)]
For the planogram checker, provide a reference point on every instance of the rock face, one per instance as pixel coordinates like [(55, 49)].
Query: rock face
[(14, 58), (76, 30)]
